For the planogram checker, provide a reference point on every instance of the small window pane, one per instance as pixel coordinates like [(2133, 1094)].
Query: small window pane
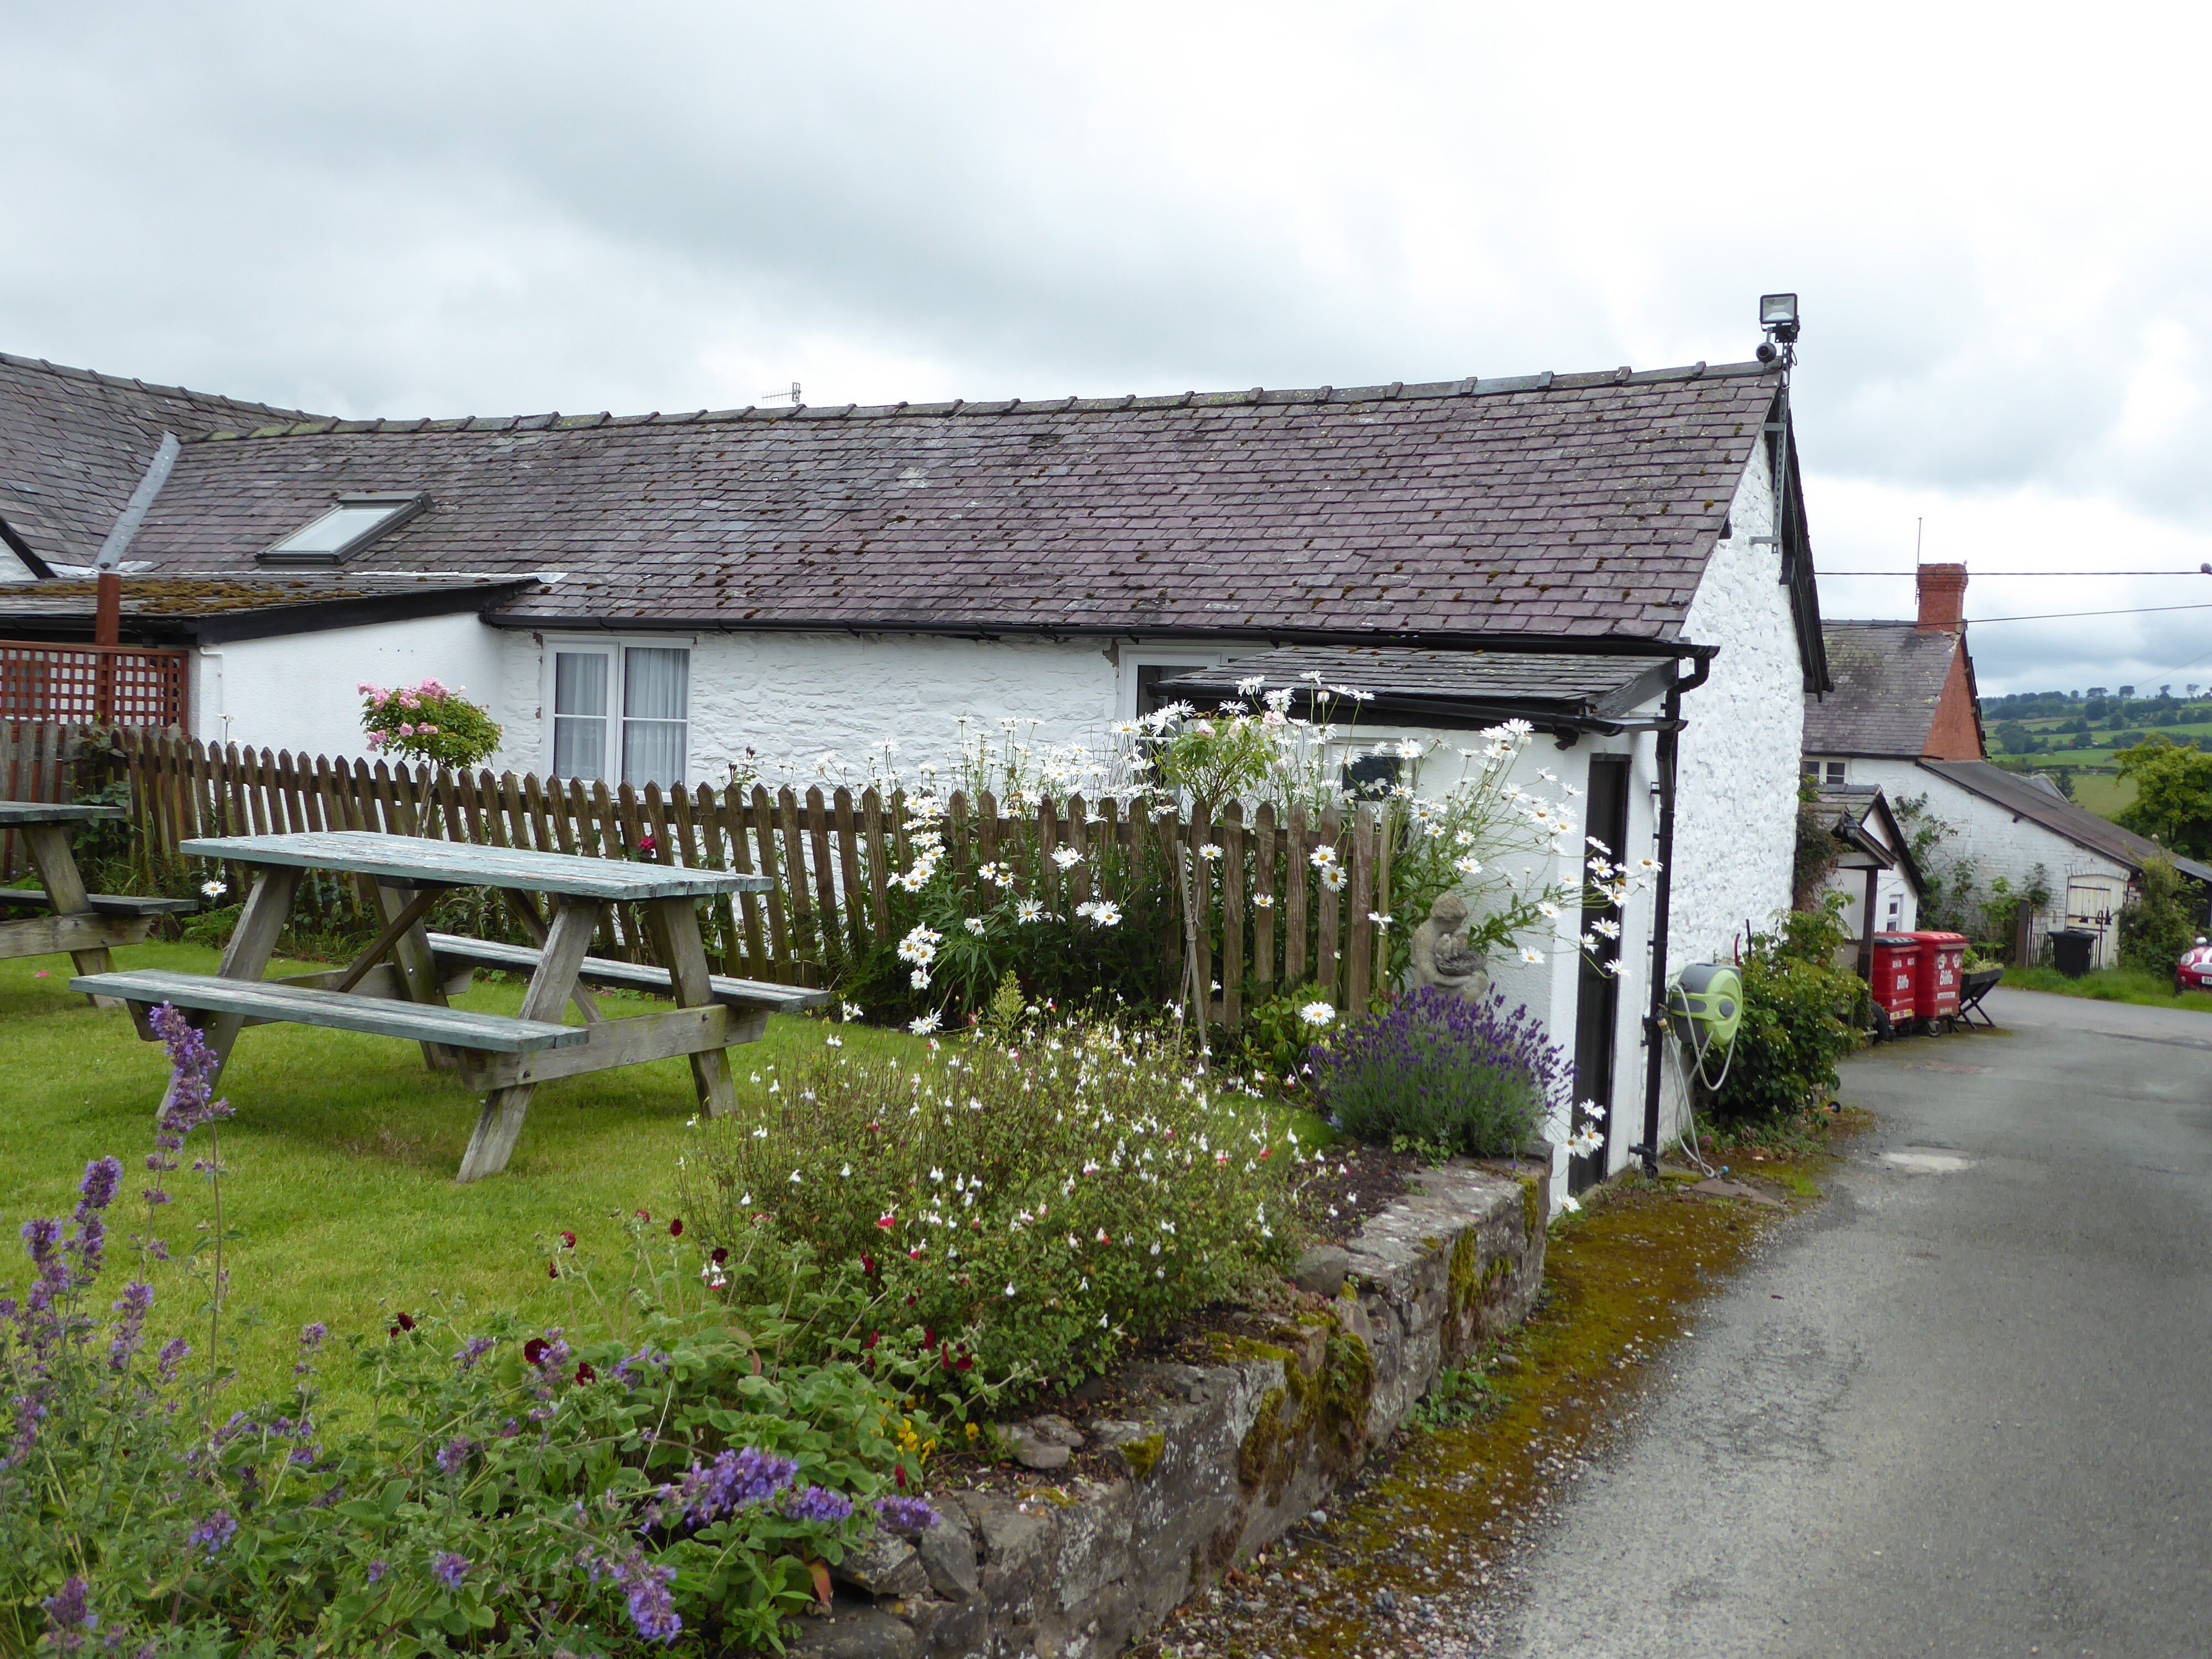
[(1835, 771), (656, 707), (580, 713)]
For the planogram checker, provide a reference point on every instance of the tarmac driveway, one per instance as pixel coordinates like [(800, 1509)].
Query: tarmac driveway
[(1966, 1406)]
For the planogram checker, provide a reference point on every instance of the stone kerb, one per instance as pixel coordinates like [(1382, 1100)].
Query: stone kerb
[(1226, 1457)]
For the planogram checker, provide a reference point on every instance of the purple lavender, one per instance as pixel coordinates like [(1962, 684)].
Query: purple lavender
[(311, 1340), (211, 1535), (173, 1354), (449, 1568), (454, 1455), (632, 1371), (819, 1504), (69, 1616), (735, 1479), (130, 1330), (471, 1351), (652, 1607), (1467, 1076), (906, 1513), (375, 1571)]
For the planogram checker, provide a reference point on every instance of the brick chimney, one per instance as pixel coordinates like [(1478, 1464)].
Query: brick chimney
[(1943, 598)]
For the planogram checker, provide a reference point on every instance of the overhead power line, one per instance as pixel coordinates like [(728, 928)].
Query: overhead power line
[(2068, 615), (2203, 570)]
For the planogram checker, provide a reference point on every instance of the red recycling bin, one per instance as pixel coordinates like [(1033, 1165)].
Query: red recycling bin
[(1896, 980), (1940, 954)]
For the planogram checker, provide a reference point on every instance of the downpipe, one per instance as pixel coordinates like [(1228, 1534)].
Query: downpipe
[(1655, 1021)]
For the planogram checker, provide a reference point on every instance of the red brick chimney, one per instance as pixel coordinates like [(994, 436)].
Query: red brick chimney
[(1943, 598)]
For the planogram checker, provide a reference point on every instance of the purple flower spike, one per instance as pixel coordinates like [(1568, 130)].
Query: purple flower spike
[(69, 1615), (173, 1354), (212, 1533), (454, 1455), (101, 1178), (819, 1504), (449, 1568)]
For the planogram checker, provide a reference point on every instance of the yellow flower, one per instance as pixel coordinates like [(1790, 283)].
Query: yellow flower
[(973, 1430)]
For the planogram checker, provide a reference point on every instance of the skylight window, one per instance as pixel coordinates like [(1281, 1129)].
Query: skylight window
[(354, 522)]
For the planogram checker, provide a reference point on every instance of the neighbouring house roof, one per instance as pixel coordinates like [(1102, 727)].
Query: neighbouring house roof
[(1452, 688), (2026, 797), (1895, 684), (207, 610), (1852, 807), (74, 444), (1581, 506)]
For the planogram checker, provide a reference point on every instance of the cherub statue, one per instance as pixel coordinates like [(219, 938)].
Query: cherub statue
[(1441, 955)]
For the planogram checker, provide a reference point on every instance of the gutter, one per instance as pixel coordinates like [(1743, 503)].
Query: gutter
[(1654, 1022), (1421, 639)]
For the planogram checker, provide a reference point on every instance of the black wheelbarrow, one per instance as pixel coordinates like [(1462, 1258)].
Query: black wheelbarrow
[(1973, 985)]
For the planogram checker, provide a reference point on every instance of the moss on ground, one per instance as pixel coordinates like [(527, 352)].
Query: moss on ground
[(1622, 1279)]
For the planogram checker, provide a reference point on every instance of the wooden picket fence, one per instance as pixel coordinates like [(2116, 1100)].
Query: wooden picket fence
[(37, 762), (830, 854)]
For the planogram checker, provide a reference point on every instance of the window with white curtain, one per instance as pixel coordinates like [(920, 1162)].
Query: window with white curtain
[(622, 711), (656, 713)]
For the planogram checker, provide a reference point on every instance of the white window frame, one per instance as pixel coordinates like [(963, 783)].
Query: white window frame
[(611, 646), (1136, 657)]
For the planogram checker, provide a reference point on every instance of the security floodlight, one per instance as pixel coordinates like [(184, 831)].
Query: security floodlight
[(1776, 309)]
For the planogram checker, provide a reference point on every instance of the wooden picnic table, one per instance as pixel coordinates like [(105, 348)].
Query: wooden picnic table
[(398, 986), (85, 925)]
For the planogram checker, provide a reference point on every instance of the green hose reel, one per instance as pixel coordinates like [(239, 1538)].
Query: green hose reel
[(1704, 1006)]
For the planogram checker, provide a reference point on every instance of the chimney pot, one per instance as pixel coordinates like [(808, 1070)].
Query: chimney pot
[(1944, 598)]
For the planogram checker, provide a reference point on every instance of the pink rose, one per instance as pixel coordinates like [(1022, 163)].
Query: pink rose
[(406, 730)]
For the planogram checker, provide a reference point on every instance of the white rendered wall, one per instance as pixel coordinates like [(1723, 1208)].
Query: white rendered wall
[(794, 695), (297, 691), (1997, 842), (1735, 814)]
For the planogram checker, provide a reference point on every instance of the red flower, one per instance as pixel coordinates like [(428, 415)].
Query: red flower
[(585, 1373), (569, 1239), (646, 845), (887, 1222), (533, 1351), (967, 1362), (928, 1339), (552, 1270), (873, 1338), (720, 1256), (899, 1471), (401, 1322), (645, 1215), (676, 1228), (867, 1265)]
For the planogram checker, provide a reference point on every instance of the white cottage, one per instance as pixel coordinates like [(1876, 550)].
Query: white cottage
[(1902, 716), (1620, 557)]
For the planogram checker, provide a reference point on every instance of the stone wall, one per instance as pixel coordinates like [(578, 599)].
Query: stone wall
[(1223, 1456)]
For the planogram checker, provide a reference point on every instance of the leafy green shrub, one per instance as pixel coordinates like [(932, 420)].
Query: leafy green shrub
[(427, 722), (1801, 1015), (1439, 1075), (2160, 919), (1024, 1211), (661, 1469)]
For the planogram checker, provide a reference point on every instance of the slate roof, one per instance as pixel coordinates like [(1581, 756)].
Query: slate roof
[(1544, 505), (1888, 676), (1489, 684), (74, 444), (1852, 805), (206, 609), (2028, 799)]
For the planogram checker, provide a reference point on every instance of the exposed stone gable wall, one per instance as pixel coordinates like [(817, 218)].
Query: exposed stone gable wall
[(1955, 733)]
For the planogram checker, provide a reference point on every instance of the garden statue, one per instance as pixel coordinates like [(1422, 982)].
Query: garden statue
[(1441, 955)]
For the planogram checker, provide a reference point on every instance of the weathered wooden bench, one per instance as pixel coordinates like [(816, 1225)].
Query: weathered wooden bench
[(104, 904), (85, 925), (397, 986), (265, 1001), (453, 949)]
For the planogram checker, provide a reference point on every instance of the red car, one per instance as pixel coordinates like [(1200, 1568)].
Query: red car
[(2194, 971)]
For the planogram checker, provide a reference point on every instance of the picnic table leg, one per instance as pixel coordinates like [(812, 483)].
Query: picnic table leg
[(675, 926), (418, 969), (58, 872), (568, 942), (253, 942)]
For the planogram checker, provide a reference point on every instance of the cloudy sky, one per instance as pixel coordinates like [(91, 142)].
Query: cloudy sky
[(2000, 234)]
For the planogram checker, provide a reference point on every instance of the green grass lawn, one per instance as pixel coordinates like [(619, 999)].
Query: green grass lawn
[(341, 1157), (2111, 985)]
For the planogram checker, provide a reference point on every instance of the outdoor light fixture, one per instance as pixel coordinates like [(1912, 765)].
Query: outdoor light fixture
[(1777, 316)]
